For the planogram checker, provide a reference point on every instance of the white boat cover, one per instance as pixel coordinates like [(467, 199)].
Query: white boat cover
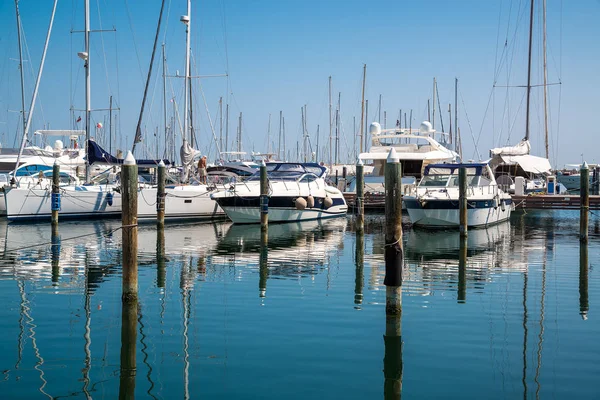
[(187, 153), (529, 163), (60, 132), (521, 149)]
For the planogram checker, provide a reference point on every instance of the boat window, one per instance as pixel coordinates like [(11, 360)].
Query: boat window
[(308, 178), (472, 180), (434, 180)]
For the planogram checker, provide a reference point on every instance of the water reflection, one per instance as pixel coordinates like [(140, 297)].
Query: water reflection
[(584, 305), (359, 260), (392, 361)]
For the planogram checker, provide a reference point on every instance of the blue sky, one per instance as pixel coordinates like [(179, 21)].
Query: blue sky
[(279, 55)]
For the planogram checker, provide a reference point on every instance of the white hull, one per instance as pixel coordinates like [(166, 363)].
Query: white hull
[(251, 215), (181, 202), (476, 217)]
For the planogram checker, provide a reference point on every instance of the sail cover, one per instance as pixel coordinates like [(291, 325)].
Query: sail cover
[(187, 153), (97, 155), (521, 149)]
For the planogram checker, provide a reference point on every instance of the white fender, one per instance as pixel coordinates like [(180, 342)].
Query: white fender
[(300, 203)]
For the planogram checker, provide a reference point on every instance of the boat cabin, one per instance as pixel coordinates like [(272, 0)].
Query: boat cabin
[(446, 175)]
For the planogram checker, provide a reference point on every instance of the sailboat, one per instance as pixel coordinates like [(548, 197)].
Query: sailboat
[(512, 161)]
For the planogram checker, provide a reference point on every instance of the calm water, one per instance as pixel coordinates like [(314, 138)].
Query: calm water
[(219, 317)]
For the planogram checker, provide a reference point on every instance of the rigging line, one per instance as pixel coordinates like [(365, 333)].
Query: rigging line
[(135, 47), (32, 72), (476, 143), (498, 38), (469, 122), (103, 48)]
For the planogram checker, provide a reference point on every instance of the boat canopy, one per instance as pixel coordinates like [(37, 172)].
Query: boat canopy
[(452, 169), (97, 155)]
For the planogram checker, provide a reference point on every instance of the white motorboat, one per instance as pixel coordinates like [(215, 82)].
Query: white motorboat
[(297, 192), (436, 201)]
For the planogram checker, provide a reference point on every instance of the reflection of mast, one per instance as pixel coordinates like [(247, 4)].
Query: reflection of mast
[(21, 325), (145, 353), (263, 264), (524, 380), (584, 305), (186, 284), (462, 270), (40, 361), (541, 335), (86, 335)]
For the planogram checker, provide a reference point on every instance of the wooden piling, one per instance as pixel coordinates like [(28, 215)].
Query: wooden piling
[(584, 304), (161, 194), (392, 360), (585, 202), (462, 270), (360, 196), (394, 252), (129, 192), (55, 196), (128, 349), (264, 198), (596, 181), (462, 201)]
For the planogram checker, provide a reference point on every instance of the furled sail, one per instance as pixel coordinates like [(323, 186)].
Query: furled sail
[(188, 153), (521, 149)]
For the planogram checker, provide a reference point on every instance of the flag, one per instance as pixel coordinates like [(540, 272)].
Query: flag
[(78, 119)]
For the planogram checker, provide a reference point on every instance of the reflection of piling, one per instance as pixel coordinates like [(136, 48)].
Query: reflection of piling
[(585, 202), (55, 253), (584, 305), (462, 200), (263, 264), (360, 196), (359, 276), (393, 235), (392, 361), (161, 270), (128, 348), (55, 196), (264, 198), (129, 176), (462, 270), (160, 195)]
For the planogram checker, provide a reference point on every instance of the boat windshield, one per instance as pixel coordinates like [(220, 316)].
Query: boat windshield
[(447, 180), (289, 171)]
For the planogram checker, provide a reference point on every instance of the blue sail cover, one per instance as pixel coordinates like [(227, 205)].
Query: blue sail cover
[(97, 155)]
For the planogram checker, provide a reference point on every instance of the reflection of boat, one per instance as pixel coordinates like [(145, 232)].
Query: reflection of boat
[(297, 192), (305, 244), (436, 203)]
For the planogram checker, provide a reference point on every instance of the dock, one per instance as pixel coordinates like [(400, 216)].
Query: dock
[(376, 202)]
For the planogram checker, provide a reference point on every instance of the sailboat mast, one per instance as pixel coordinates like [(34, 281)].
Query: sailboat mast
[(239, 138), (279, 141), (88, 85), (330, 128), (227, 128), (456, 114), (545, 84), (186, 20), (21, 65), (362, 111), (304, 150), (192, 134), (220, 124), (337, 129), (433, 101), (164, 71), (366, 122), (529, 72), (269, 136)]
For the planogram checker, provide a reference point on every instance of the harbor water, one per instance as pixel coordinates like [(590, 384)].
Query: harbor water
[(222, 315)]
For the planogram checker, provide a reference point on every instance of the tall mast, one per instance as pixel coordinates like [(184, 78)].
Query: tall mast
[(110, 127), (21, 65), (164, 56), (330, 128), (337, 129), (456, 144), (366, 122), (88, 86), (317, 150), (191, 109), (433, 101), (379, 119), (269, 136), (529, 72), (186, 20), (279, 141), (545, 85), (239, 138), (304, 149), (227, 128), (221, 124), (283, 121), (362, 111)]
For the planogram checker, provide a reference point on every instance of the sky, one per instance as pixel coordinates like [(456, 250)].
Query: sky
[(278, 56)]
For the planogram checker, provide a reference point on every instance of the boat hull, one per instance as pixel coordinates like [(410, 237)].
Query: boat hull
[(251, 215), (181, 203), (444, 213)]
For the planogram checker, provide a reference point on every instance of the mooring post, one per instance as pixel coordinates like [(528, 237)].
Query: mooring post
[(584, 196), (129, 312), (264, 198), (55, 196), (394, 252), (129, 192), (584, 304), (462, 270), (359, 256), (462, 201), (160, 195), (263, 264), (392, 360), (360, 196)]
